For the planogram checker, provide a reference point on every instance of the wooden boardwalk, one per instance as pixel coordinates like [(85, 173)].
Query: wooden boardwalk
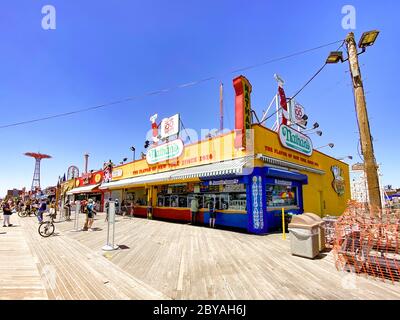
[(164, 260), (19, 274), (72, 271), (190, 262)]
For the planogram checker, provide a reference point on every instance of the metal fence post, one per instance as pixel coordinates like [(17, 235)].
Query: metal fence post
[(76, 222), (111, 220)]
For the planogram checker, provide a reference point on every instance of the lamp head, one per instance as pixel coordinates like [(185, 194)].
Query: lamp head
[(368, 39), (335, 57)]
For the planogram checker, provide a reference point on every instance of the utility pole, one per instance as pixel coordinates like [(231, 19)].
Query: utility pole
[(363, 125)]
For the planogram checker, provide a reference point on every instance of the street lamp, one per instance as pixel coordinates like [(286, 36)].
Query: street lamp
[(315, 126), (133, 149), (346, 157), (335, 57), (318, 132), (368, 39), (371, 169), (330, 145)]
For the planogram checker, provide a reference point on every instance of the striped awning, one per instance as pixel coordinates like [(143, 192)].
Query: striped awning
[(287, 164), (156, 177), (223, 168), (85, 189)]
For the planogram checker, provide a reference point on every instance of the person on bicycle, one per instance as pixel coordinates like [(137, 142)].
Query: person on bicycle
[(52, 210), (42, 209), (28, 205)]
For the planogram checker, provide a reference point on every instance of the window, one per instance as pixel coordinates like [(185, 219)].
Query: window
[(282, 196), (174, 201), (160, 201), (237, 201), (183, 203), (227, 197), (167, 201)]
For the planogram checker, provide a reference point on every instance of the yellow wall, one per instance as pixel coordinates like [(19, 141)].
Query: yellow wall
[(204, 152), (267, 143), (318, 194), (67, 185)]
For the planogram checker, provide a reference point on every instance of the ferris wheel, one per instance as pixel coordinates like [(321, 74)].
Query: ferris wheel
[(73, 172)]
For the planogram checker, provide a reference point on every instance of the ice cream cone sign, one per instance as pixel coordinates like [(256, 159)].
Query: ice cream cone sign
[(154, 127)]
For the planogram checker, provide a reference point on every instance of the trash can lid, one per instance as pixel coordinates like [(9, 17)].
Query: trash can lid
[(303, 226), (314, 217), (302, 219)]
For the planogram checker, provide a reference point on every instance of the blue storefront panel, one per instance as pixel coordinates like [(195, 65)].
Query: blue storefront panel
[(233, 220)]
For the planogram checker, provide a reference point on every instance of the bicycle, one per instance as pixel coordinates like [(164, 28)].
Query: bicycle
[(27, 213), (47, 228)]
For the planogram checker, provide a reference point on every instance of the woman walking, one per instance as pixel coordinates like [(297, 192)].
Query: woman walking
[(7, 212)]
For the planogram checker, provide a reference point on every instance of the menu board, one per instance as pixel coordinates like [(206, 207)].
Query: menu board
[(234, 188), (208, 188)]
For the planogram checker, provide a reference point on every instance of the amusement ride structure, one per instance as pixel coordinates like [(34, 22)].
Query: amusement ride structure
[(36, 175)]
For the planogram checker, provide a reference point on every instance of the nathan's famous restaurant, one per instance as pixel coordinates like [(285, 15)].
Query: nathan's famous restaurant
[(250, 173)]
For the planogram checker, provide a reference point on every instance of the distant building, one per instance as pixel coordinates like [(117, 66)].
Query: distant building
[(14, 193), (359, 187)]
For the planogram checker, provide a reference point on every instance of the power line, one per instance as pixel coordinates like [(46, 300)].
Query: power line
[(157, 92), (306, 84)]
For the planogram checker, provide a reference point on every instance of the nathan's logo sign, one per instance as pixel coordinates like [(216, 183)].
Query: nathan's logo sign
[(170, 126), (338, 180), (165, 152), (295, 140)]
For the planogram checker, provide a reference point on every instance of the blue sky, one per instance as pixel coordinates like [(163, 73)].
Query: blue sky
[(107, 50)]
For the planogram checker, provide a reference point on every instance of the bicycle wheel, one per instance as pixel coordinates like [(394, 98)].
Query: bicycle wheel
[(21, 214), (46, 229)]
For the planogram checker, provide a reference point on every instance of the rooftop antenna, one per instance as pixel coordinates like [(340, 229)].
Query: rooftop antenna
[(221, 107)]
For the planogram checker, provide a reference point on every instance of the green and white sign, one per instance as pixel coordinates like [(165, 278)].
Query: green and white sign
[(164, 152), (295, 140)]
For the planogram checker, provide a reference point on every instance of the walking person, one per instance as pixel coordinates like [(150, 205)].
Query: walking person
[(67, 210), (117, 208), (7, 212), (90, 215), (150, 209), (212, 212), (194, 209)]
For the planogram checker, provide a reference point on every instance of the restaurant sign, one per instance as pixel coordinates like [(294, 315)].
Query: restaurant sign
[(165, 152), (295, 140), (170, 126)]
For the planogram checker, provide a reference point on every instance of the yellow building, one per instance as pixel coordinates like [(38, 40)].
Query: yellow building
[(248, 187)]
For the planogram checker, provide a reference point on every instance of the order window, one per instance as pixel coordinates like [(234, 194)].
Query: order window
[(282, 196)]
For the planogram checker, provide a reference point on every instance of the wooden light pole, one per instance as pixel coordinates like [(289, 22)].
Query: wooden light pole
[(371, 168)]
